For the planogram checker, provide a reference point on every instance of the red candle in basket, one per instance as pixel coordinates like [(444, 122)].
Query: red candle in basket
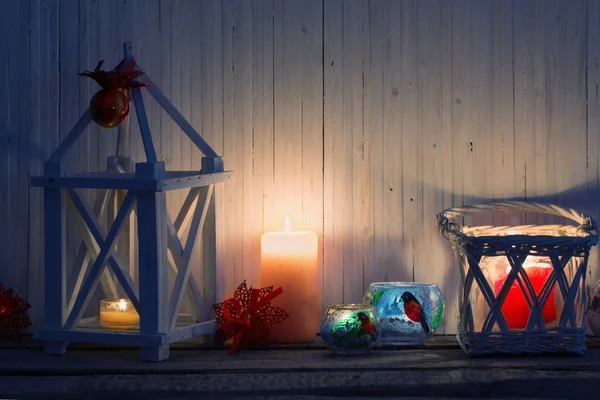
[(515, 309)]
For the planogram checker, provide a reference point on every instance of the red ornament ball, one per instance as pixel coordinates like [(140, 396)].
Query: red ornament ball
[(109, 108)]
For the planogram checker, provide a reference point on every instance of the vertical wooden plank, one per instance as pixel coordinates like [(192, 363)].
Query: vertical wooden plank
[(431, 266), (391, 264), (147, 24), (574, 111), (462, 105), (412, 136), (333, 245), (203, 277), (263, 194), (532, 150), (461, 108), (377, 93), (43, 138), (539, 181), (212, 100), (481, 140), (373, 56), (5, 127), (244, 241), (70, 110), (450, 282), (523, 19), (502, 122), (311, 33), (593, 117), (20, 192), (16, 147), (351, 148), (231, 137)]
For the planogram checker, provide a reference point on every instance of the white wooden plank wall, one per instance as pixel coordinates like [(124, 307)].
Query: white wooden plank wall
[(359, 119)]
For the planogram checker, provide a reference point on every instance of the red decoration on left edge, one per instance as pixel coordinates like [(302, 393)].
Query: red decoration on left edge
[(110, 105), (13, 313), (247, 317)]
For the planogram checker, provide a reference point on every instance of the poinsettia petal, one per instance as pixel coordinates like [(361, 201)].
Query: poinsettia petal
[(266, 291), (273, 315)]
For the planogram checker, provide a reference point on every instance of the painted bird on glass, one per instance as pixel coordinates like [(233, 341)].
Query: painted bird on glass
[(366, 323), (414, 310)]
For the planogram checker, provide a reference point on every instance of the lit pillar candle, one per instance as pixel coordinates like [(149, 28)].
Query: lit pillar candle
[(515, 309), (118, 314), (289, 259)]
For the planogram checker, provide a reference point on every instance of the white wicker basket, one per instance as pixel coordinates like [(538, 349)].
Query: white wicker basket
[(482, 325)]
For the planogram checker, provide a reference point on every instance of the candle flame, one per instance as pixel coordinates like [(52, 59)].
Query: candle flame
[(287, 226), (122, 305)]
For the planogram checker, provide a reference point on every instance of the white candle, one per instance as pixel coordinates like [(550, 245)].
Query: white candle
[(289, 259), (118, 314)]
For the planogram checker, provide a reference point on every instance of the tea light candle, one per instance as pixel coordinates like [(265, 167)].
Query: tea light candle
[(289, 259), (118, 314)]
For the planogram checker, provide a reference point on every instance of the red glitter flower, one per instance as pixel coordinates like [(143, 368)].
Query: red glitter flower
[(247, 317), (13, 313)]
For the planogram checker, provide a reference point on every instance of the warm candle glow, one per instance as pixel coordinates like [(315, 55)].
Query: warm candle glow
[(515, 308), (118, 314), (289, 259)]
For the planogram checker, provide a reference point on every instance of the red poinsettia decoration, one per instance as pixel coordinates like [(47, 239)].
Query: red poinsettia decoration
[(116, 79), (13, 313), (110, 106), (247, 317)]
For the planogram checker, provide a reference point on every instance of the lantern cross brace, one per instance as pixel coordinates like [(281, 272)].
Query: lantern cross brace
[(184, 268), (91, 281), (88, 249), (195, 300), (94, 229), (83, 260)]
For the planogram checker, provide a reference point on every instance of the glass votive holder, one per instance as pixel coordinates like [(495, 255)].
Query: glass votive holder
[(408, 312), (350, 329), (118, 314)]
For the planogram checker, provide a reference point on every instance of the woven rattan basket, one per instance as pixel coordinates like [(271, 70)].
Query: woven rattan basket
[(497, 265)]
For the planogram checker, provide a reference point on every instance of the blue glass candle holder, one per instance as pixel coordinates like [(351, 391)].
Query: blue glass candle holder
[(350, 329), (409, 313)]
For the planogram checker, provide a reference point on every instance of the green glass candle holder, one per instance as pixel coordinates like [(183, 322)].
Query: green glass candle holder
[(350, 329)]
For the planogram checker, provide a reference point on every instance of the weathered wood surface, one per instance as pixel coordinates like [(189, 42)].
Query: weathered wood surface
[(359, 119), (437, 370)]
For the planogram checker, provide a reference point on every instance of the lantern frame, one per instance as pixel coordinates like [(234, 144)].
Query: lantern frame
[(563, 245), (126, 188)]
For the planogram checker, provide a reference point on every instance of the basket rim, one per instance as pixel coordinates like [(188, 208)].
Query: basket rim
[(586, 233)]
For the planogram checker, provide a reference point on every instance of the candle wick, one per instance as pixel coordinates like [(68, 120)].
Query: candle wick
[(287, 227)]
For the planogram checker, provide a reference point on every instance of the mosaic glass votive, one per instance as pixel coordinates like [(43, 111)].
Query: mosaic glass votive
[(350, 329), (408, 312)]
